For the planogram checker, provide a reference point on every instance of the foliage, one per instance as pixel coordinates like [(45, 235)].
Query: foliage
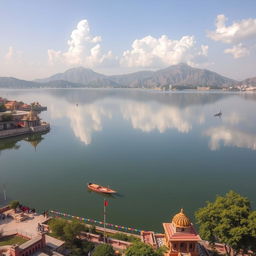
[(7, 117), (14, 204), (70, 231), (104, 250), (57, 227), (141, 249), (80, 247), (124, 237), (2, 108), (228, 220), (66, 230)]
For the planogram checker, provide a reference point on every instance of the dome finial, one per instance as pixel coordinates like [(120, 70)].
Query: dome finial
[(181, 220)]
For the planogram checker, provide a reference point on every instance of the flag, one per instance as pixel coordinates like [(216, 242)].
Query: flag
[(105, 203)]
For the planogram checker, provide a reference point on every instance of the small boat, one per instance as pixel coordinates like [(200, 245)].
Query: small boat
[(100, 189), (218, 114)]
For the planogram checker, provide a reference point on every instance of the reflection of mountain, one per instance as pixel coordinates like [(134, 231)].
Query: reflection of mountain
[(12, 143), (230, 137), (181, 100)]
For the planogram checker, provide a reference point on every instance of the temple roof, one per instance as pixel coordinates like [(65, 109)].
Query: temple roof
[(181, 220)]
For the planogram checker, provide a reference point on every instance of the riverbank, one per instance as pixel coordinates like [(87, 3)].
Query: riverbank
[(44, 127)]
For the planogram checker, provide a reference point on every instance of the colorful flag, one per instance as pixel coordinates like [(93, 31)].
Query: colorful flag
[(105, 203)]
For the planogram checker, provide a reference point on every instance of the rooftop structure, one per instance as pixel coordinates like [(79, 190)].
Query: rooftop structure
[(180, 237)]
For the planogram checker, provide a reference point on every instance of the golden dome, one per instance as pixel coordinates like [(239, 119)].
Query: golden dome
[(180, 220)]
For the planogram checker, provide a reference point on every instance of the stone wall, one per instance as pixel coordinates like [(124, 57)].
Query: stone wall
[(21, 131)]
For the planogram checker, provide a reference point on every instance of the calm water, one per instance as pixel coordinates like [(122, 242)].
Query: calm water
[(161, 151)]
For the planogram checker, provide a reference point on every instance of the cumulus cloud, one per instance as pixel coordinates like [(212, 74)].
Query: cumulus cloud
[(238, 51), (230, 137), (234, 33), (83, 48), (158, 52)]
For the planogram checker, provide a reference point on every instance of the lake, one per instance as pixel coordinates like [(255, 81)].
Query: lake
[(161, 151)]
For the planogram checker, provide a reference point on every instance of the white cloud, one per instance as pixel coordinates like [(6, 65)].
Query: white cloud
[(158, 52), (230, 137), (236, 32), (83, 48), (238, 51), (13, 55)]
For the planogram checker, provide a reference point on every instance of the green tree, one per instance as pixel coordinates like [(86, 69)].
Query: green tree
[(72, 230), (104, 250), (7, 117), (2, 108), (57, 227), (14, 204), (141, 249), (226, 221)]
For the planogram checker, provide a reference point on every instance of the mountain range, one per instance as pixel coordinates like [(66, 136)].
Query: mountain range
[(179, 76)]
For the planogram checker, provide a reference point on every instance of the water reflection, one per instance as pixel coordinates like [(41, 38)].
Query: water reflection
[(230, 137), (13, 143), (149, 117)]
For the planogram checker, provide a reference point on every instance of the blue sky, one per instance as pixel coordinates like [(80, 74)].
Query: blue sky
[(34, 36)]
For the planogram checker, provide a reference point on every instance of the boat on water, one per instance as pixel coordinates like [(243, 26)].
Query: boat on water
[(100, 189), (218, 114)]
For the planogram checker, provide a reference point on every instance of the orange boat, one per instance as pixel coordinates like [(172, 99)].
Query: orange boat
[(100, 189)]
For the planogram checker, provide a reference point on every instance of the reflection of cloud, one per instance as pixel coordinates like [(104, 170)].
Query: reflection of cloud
[(230, 137), (149, 117), (232, 118), (85, 120)]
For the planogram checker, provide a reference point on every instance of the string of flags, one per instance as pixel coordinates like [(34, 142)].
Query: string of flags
[(109, 225)]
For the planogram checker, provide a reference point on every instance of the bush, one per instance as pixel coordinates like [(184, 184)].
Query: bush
[(141, 249), (2, 108), (6, 117), (124, 237), (104, 250), (14, 204)]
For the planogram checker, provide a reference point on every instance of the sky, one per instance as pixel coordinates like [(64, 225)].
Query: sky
[(44, 37)]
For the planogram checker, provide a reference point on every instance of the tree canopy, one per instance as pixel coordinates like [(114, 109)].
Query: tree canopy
[(228, 220), (104, 250), (141, 249)]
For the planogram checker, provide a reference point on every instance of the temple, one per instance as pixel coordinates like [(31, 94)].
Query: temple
[(179, 237)]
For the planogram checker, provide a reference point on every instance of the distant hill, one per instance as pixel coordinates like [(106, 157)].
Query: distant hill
[(78, 75), (249, 81), (180, 76), (176, 75), (14, 83)]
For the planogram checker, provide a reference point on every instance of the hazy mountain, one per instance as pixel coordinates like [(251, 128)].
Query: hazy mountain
[(78, 75), (180, 76), (249, 81), (177, 75), (11, 82), (185, 75)]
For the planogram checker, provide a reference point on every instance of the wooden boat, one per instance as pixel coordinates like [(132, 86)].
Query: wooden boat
[(100, 189), (218, 114)]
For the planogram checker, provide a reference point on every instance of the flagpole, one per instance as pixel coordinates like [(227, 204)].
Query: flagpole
[(104, 221)]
